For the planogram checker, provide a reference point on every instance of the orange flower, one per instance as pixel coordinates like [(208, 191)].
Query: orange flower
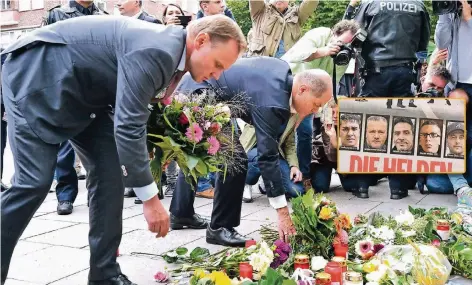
[(342, 221)]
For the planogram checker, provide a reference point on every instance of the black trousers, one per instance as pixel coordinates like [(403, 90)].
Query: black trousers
[(33, 176), (393, 81), (227, 201), (3, 138)]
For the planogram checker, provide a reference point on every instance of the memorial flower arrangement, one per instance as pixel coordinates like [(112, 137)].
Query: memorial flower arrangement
[(196, 131), (408, 249)]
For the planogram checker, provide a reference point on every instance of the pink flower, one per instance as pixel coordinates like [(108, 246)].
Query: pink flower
[(214, 145), (183, 120), (436, 243), (166, 100), (161, 277), (194, 133), (196, 109)]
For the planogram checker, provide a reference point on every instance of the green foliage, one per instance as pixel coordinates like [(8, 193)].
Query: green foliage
[(240, 11)]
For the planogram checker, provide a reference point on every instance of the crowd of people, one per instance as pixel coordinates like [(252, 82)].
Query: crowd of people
[(81, 72)]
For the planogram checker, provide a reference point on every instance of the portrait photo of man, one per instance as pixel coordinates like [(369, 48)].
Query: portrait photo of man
[(403, 135), (429, 138), (376, 133), (350, 131), (455, 140)]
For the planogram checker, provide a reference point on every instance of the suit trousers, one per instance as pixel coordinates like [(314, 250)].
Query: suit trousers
[(3, 138), (35, 162), (67, 184), (227, 200)]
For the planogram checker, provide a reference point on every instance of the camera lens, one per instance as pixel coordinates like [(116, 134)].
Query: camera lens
[(343, 57)]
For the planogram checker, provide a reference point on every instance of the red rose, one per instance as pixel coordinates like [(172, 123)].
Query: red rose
[(436, 243), (357, 220), (183, 120), (214, 128)]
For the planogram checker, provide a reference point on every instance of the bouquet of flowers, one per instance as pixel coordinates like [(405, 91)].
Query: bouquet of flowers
[(196, 131)]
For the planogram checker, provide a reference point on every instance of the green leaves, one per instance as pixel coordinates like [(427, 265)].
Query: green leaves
[(466, 254), (181, 251), (199, 253)]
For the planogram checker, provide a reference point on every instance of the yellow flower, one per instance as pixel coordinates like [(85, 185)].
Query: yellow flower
[(220, 278), (200, 274), (326, 213)]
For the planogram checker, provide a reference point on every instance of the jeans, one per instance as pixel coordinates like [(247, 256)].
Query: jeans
[(172, 173), (393, 81), (437, 183), (205, 183), (304, 145), (67, 183), (292, 189), (321, 176), (3, 138)]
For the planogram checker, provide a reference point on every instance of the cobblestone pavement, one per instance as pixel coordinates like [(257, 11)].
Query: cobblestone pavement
[(54, 249)]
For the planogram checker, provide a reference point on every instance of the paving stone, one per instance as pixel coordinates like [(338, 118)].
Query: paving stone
[(389, 208), (37, 227), (247, 209), (49, 264), (48, 207), (438, 200), (25, 247), (136, 222), (145, 241), (355, 207), (267, 215), (247, 226), (19, 282)]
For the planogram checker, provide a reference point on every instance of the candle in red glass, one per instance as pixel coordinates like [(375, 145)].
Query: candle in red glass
[(245, 270), (341, 250), (301, 261), (250, 243), (336, 272)]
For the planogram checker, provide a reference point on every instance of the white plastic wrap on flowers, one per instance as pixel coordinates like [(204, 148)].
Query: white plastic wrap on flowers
[(425, 263)]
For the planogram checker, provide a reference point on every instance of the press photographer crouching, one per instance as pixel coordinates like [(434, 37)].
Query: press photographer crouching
[(319, 48)]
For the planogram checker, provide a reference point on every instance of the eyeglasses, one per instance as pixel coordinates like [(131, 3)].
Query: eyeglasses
[(431, 135)]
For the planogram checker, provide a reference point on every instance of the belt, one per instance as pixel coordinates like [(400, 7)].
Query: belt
[(390, 63)]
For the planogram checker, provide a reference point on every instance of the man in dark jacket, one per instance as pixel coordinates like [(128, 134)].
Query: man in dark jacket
[(274, 96), (133, 8), (3, 119), (67, 185), (56, 89), (397, 30)]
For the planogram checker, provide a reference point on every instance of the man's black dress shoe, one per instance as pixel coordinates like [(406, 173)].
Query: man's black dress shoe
[(226, 237), (195, 222), (118, 280), (398, 194), (362, 193), (64, 208)]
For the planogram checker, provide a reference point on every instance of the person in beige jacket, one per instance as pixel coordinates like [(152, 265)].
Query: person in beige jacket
[(276, 27)]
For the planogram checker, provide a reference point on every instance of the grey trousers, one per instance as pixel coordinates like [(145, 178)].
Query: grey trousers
[(35, 162)]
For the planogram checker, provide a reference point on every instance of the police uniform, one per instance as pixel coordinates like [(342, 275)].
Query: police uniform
[(70, 10), (397, 30)]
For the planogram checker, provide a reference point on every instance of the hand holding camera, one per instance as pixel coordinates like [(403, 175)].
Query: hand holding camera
[(173, 21)]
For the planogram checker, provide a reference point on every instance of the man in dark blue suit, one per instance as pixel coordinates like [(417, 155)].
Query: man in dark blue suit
[(274, 97), (58, 83)]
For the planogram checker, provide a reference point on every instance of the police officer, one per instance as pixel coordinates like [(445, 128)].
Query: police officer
[(67, 187), (397, 30)]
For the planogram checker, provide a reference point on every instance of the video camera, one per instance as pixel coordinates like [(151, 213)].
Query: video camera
[(447, 7), (343, 57)]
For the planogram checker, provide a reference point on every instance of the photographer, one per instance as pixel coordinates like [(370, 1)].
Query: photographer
[(396, 31), (315, 50), (454, 33)]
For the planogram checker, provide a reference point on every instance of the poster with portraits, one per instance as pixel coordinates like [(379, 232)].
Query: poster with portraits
[(376, 136)]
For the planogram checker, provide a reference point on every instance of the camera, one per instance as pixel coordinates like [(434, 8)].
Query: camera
[(430, 93), (349, 50), (447, 7)]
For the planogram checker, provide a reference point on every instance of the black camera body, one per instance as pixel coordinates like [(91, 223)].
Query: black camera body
[(348, 51), (448, 7), (430, 93)]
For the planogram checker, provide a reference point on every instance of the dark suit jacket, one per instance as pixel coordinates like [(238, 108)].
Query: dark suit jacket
[(267, 82), (62, 76), (146, 17)]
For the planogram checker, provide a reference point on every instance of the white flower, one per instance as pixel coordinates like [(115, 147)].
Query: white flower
[(384, 233), (406, 234), (378, 275), (225, 109), (405, 218), (262, 258), (181, 98), (318, 263), (207, 126)]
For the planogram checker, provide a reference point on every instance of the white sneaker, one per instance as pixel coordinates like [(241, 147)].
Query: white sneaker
[(247, 194), (53, 186)]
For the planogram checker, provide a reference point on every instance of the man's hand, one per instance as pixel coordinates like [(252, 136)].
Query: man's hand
[(286, 228), (466, 10), (439, 56), (330, 49), (353, 3), (295, 174), (173, 21), (156, 216)]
